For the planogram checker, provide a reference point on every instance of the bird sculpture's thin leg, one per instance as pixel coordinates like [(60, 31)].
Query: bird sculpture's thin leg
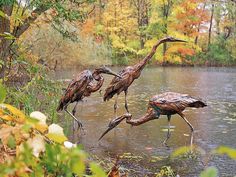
[(126, 102), (74, 109), (115, 105), (191, 127), (80, 125), (168, 133)]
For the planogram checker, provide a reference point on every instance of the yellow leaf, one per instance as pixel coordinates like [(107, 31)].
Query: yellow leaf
[(19, 116), (6, 117), (41, 127), (226, 150), (58, 138)]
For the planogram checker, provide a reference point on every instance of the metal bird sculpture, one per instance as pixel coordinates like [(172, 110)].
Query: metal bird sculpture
[(82, 86), (129, 74), (168, 103)]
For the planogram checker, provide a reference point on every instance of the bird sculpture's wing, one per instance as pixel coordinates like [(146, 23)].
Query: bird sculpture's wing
[(75, 89), (118, 85), (171, 102)]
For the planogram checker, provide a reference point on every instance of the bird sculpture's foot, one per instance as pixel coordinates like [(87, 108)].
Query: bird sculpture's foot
[(164, 143), (80, 126)]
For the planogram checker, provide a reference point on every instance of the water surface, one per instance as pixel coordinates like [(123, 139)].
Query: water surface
[(214, 125)]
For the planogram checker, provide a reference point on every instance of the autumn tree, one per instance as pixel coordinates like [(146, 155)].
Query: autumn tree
[(17, 16), (190, 14), (120, 27), (142, 10)]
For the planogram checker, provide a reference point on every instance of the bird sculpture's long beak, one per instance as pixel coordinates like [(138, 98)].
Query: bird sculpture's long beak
[(179, 40), (114, 74), (113, 123)]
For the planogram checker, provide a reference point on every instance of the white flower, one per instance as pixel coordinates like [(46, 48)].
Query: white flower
[(39, 116), (55, 129), (69, 144), (37, 144)]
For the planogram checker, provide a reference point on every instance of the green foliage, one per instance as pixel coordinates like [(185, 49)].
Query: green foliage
[(209, 172), (32, 154), (55, 161), (41, 93), (6, 2), (218, 53), (96, 170), (3, 93)]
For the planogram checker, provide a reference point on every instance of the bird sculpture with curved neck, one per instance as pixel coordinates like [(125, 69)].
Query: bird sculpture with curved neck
[(168, 103), (82, 86), (130, 73)]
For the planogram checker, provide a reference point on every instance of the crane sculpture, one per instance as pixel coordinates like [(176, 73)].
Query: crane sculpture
[(82, 86), (129, 74), (168, 103)]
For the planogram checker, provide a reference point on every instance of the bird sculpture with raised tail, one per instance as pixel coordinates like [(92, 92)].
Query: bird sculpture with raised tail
[(168, 103)]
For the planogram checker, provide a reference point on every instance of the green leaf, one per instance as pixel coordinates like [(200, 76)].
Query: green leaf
[(97, 171), (226, 150), (11, 142), (2, 14), (209, 172), (78, 167), (181, 151), (3, 93)]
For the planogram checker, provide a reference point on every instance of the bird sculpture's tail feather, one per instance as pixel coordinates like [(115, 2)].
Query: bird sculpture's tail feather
[(109, 94)]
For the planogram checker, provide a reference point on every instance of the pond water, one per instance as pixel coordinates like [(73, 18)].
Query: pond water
[(214, 125)]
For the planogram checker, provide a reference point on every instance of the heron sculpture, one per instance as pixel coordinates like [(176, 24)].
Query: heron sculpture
[(82, 86), (129, 74), (168, 103)]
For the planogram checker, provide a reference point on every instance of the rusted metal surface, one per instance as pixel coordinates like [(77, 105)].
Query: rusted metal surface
[(130, 73), (168, 103)]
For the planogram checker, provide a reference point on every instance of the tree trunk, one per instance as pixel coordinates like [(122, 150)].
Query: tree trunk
[(199, 27), (4, 43), (210, 28)]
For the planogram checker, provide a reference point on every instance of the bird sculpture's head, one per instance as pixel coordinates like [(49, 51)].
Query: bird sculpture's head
[(113, 123), (171, 39), (106, 70)]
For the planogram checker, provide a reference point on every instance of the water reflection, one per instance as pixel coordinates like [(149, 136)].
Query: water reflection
[(214, 125)]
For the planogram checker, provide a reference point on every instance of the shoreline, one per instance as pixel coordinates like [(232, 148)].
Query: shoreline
[(149, 66)]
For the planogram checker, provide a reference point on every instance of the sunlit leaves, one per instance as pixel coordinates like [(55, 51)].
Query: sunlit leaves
[(187, 150), (2, 14), (16, 114), (7, 36), (209, 172), (181, 151), (226, 150)]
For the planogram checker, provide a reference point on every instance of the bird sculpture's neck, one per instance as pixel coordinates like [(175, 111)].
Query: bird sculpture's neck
[(139, 66), (97, 75), (150, 115), (99, 78)]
